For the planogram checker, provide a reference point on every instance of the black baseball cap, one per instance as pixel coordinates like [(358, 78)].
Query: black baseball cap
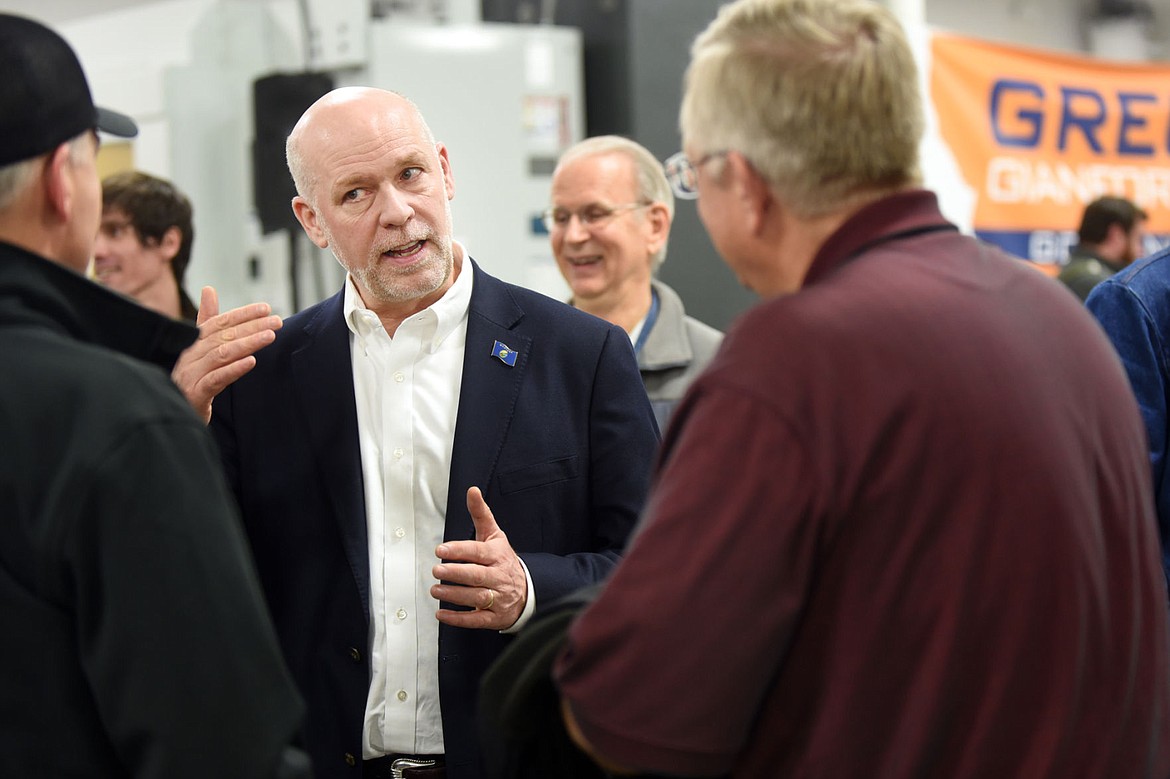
[(44, 96)]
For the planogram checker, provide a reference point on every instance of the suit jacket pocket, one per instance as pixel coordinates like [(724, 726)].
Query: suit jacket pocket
[(538, 475)]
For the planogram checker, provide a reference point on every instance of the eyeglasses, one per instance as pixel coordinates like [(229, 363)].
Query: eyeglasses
[(683, 174), (592, 215)]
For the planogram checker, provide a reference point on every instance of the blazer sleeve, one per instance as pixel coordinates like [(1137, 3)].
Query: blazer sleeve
[(623, 438)]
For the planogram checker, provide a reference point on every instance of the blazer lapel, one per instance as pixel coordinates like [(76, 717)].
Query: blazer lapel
[(323, 386), (488, 397)]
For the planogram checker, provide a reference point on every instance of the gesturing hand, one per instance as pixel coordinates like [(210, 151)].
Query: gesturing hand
[(224, 349), (484, 574)]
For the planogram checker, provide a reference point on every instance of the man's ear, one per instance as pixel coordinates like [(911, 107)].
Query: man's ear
[(658, 220), (750, 189), (58, 184), (170, 242), (445, 164), (307, 216)]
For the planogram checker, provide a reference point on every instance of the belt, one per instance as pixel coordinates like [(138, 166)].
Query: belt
[(405, 767)]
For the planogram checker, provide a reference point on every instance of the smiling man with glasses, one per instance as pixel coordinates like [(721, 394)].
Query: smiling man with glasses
[(902, 525), (608, 225)]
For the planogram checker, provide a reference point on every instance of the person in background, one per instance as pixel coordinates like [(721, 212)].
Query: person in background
[(133, 635), (1133, 306), (1111, 236), (144, 242), (902, 525), (361, 444), (608, 222)]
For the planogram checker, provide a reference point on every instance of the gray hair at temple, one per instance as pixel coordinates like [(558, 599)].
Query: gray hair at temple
[(15, 177), (820, 96), (652, 184)]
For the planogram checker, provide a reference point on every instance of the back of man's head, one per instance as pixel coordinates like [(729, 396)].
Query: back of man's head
[(44, 96), (153, 206), (44, 102), (821, 96), (1103, 213)]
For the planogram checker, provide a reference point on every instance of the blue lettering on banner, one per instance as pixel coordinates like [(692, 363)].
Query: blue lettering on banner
[(1083, 112), (1088, 123), (1036, 118)]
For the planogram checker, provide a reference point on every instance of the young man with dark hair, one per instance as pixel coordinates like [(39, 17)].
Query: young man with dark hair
[(144, 242)]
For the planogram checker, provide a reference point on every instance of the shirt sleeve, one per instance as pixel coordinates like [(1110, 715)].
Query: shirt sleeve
[(529, 604), (699, 616), (172, 630)]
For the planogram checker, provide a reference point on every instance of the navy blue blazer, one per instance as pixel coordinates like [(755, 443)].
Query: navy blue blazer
[(561, 444)]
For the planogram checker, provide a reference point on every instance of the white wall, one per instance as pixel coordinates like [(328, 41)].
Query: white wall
[(1050, 24)]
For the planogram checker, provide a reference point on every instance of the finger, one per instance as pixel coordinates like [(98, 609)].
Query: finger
[(235, 340), (205, 357), (228, 351), (461, 552), (481, 598), (481, 515), (220, 379), (463, 574), (252, 315), (476, 620), (208, 304)]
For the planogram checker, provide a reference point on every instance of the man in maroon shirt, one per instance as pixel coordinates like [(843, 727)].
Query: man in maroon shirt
[(902, 526)]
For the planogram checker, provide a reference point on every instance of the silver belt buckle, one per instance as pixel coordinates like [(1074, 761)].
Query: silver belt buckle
[(400, 764)]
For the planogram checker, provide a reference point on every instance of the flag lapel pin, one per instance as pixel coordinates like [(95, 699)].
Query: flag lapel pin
[(505, 354)]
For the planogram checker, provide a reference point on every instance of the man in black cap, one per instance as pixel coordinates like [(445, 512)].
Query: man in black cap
[(133, 637)]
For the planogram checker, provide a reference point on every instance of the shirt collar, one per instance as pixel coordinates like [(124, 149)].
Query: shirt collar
[(447, 312), (36, 290), (908, 211)]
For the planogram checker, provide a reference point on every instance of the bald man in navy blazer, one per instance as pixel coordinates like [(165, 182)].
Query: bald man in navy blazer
[(551, 423)]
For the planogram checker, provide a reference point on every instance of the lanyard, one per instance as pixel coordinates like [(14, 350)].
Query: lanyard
[(648, 325)]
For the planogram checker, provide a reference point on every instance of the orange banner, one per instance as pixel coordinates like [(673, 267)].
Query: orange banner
[(1037, 135)]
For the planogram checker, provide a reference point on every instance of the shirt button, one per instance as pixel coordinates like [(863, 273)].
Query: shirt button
[(398, 454), (398, 377), (355, 655), (402, 695), (401, 613), (350, 759), (399, 532)]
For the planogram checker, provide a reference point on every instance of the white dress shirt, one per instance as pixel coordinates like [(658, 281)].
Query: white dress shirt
[(407, 393)]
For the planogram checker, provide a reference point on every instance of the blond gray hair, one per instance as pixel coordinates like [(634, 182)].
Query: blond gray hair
[(820, 96), (651, 179)]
